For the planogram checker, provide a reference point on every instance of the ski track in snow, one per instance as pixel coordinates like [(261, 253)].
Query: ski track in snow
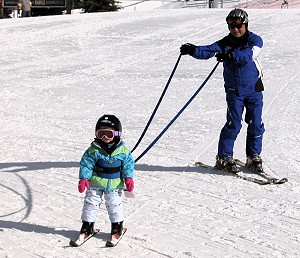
[(62, 72)]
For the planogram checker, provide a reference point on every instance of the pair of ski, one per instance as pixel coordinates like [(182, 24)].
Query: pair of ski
[(114, 240), (265, 180)]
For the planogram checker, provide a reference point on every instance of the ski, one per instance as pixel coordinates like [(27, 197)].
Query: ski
[(271, 179), (115, 239), (83, 238), (238, 174)]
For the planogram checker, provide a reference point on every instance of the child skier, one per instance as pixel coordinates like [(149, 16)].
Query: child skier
[(104, 169)]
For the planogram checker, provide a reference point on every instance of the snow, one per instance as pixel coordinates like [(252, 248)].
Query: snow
[(60, 73), (143, 5)]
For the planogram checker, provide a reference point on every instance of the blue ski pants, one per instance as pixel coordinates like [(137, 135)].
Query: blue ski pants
[(253, 103)]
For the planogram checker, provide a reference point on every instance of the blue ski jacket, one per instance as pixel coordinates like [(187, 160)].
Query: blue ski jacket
[(242, 72), (106, 171)]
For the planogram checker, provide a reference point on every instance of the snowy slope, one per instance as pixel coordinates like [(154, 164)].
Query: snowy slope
[(59, 74)]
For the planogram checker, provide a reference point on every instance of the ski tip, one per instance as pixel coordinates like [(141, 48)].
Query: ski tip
[(278, 181), (201, 164), (73, 243), (77, 244), (282, 181), (109, 244)]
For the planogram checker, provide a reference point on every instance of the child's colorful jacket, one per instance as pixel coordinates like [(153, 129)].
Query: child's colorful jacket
[(106, 171)]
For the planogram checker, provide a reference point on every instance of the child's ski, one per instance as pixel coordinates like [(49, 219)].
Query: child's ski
[(115, 239), (83, 238)]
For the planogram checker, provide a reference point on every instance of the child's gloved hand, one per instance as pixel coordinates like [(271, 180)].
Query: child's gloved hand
[(129, 184), (83, 183)]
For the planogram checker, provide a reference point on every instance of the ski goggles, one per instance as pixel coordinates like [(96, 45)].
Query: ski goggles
[(235, 23), (107, 134)]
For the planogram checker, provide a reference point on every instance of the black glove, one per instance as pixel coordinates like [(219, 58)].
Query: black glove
[(221, 57), (188, 49)]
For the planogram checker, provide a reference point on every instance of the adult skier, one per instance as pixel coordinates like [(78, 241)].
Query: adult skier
[(239, 52)]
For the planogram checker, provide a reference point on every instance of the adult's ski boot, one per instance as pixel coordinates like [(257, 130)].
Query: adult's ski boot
[(226, 163), (254, 162)]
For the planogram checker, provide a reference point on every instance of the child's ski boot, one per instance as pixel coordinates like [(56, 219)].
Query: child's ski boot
[(86, 232), (117, 231)]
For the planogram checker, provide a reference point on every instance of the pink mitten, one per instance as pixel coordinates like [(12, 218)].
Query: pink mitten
[(83, 183), (129, 184)]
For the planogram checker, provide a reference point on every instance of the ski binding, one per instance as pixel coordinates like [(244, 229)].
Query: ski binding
[(115, 239)]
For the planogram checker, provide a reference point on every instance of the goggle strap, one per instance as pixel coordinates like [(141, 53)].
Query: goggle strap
[(118, 133)]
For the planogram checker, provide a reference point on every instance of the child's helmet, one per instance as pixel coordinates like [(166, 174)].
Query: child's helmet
[(110, 121), (238, 13)]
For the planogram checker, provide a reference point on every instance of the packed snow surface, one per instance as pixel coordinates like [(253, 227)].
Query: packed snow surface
[(60, 73)]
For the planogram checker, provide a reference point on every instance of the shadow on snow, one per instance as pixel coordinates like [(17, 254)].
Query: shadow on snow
[(26, 227), (29, 166)]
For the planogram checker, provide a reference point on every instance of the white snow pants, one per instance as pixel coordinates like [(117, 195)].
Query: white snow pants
[(93, 200)]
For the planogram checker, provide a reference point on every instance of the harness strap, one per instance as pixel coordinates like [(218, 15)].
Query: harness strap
[(108, 170)]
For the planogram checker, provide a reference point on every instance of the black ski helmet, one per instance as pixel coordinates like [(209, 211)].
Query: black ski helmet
[(110, 121), (238, 13)]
